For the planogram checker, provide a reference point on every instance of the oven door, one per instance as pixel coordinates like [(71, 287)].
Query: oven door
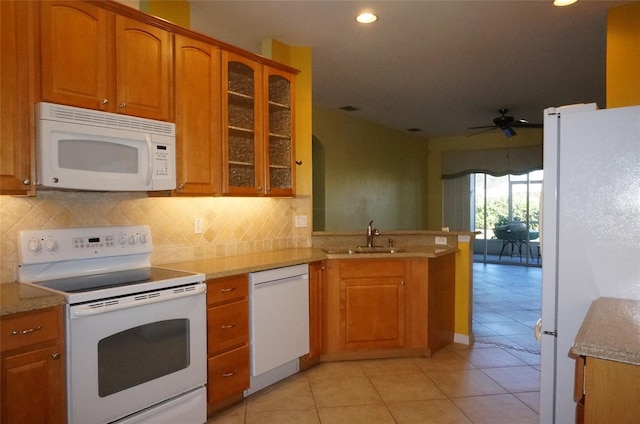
[(131, 353)]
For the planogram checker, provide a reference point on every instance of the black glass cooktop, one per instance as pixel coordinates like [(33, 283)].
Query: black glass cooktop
[(106, 280)]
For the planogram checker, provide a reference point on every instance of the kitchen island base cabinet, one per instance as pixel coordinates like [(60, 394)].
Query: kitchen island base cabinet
[(607, 392), (375, 308), (33, 368)]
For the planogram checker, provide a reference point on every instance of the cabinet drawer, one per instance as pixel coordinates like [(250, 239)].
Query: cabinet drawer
[(227, 289), (228, 374), (360, 268), (227, 326), (30, 329)]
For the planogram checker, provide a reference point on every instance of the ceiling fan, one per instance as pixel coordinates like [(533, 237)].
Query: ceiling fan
[(507, 123)]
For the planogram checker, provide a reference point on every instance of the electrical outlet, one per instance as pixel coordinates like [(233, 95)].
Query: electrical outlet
[(301, 221), (197, 226), (441, 240)]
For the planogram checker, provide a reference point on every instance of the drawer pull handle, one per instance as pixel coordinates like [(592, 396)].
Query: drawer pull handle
[(228, 326), (230, 374), (230, 289), (23, 332)]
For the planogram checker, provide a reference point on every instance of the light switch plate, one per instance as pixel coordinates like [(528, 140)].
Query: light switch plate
[(441, 240), (301, 221)]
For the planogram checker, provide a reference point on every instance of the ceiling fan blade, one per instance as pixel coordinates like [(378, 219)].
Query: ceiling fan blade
[(485, 130), (526, 125), (482, 127)]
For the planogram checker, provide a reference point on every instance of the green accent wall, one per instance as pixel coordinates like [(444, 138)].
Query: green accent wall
[(363, 171)]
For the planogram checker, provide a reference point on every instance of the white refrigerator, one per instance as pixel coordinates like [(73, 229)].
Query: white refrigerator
[(590, 233)]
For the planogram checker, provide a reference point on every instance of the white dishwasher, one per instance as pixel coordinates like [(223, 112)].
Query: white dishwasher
[(279, 323)]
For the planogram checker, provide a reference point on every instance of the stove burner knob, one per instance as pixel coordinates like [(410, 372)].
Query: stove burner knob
[(142, 238), (131, 239), (51, 245), (122, 239), (34, 246)]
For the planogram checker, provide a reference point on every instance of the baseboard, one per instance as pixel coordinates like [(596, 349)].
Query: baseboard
[(463, 338)]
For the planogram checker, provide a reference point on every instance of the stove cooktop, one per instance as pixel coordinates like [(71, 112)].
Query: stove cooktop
[(86, 288)]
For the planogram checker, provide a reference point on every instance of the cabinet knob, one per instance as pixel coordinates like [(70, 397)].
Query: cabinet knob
[(55, 356), (181, 186), (104, 101), (26, 181), (259, 188), (123, 105)]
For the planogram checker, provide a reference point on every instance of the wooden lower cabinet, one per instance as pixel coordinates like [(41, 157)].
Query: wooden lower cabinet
[(227, 340), (607, 392), (33, 368), (388, 307), (228, 375)]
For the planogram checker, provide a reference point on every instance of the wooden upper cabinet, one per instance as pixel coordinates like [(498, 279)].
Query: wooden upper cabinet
[(77, 54), (144, 64), (16, 111), (279, 143), (242, 146), (94, 59), (197, 103)]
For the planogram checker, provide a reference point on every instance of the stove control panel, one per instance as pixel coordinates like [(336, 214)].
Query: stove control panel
[(67, 244)]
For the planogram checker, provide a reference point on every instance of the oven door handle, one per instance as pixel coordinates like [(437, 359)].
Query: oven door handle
[(96, 308)]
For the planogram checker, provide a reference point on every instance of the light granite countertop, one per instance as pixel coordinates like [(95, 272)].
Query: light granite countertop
[(16, 297), (399, 252), (610, 330), (240, 264)]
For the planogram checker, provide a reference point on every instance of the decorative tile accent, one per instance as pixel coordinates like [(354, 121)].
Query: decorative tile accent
[(230, 225)]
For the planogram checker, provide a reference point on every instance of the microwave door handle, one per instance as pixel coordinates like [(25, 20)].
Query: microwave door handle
[(149, 159)]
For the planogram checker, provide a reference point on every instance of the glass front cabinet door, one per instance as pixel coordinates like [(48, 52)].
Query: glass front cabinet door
[(242, 152), (258, 128), (280, 132)]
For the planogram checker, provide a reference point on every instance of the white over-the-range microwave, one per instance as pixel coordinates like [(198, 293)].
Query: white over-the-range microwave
[(83, 149)]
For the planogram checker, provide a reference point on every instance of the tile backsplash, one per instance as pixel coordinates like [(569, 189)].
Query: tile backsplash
[(231, 226)]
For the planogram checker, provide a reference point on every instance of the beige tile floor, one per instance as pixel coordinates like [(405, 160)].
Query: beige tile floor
[(494, 381)]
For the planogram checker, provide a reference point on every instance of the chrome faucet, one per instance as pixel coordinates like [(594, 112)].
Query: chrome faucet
[(371, 233)]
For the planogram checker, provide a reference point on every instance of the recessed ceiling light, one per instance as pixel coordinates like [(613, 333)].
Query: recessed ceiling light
[(366, 18), (563, 2)]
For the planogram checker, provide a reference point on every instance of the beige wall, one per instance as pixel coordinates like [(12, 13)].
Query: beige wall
[(365, 171), (231, 225)]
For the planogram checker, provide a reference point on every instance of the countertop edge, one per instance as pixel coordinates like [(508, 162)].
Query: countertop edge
[(597, 339)]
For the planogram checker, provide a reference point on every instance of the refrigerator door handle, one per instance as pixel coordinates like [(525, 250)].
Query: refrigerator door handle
[(537, 330)]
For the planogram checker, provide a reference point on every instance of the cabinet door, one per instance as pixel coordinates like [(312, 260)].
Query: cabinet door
[(143, 69), (16, 111), (33, 387), (197, 94), (373, 311), (242, 146), (280, 141), (77, 50)]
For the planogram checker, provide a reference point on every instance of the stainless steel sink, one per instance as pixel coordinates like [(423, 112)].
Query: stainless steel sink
[(363, 250)]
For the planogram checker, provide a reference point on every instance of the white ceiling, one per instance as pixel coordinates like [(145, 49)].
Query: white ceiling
[(441, 66)]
